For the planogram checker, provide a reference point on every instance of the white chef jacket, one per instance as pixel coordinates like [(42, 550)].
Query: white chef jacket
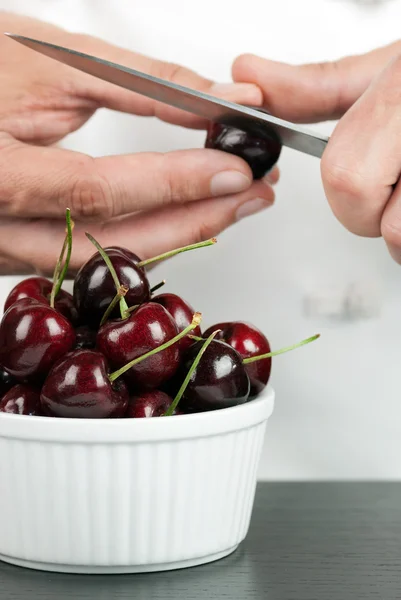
[(293, 270)]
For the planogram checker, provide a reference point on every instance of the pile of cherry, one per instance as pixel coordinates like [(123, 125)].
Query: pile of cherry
[(115, 348)]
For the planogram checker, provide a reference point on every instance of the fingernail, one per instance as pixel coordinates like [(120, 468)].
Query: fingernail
[(229, 182), (251, 207)]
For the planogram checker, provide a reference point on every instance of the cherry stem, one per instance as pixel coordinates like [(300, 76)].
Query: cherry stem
[(103, 254), (252, 359), (132, 308), (157, 286), (57, 268), (195, 323), (148, 261), (59, 275), (170, 411), (120, 294)]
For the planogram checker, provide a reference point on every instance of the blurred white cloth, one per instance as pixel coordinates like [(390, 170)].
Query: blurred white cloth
[(293, 270)]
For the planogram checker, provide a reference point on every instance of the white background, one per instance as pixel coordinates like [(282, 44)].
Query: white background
[(338, 407)]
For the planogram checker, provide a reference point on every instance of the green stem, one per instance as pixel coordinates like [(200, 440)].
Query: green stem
[(131, 309), (103, 254), (210, 242), (196, 338), (57, 268), (252, 359), (170, 411), (123, 308), (120, 294), (60, 276), (157, 286), (195, 322)]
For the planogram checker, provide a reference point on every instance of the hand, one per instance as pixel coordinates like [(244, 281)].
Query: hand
[(362, 162), (160, 201)]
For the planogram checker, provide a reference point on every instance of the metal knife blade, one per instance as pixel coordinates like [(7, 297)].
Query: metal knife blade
[(195, 102)]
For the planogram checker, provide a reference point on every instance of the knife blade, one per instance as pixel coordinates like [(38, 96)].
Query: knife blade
[(193, 101)]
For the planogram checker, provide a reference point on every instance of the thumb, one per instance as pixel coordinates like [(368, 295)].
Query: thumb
[(313, 92), (44, 181)]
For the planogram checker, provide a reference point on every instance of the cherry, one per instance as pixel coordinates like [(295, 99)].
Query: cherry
[(32, 338), (261, 149), (248, 341), (182, 313), (64, 304), (220, 380), (6, 381), (78, 386), (148, 327), (85, 338), (149, 404), (40, 289), (21, 399), (94, 287), (157, 403)]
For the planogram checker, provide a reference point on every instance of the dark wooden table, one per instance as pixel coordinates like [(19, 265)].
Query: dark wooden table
[(308, 541)]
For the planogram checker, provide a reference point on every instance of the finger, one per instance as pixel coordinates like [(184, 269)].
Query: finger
[(312, 92), (116, 98), (147, 234), (361, 163), (45, 181)]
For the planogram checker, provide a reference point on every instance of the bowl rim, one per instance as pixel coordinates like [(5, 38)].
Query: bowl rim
[(115, 431)]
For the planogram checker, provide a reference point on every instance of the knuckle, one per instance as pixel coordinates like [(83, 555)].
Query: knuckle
[(330, 77), (204, 229), (208, 230), (198, 227), (181, 191), (14, 196), (169, 71), (176, 188), (199, 233), (11, 204), (342, 179), (355, 198), (90, 195)]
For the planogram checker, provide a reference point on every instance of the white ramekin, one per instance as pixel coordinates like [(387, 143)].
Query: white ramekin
[(129, 495)]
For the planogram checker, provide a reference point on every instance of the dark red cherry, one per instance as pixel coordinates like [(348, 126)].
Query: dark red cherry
[(39, 288), (149, 404), (248, 341), (182, 313), (147, 327), (32, 338), (21, 399), (94, 287), (6, 381), (85, 338), (261, 149), (64, 304), (78, 387), (219, 381)]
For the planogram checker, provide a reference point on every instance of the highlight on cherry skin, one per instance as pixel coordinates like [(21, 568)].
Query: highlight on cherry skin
[(116, 349)]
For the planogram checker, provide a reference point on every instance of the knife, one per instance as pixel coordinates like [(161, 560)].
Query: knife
[(193, 101)]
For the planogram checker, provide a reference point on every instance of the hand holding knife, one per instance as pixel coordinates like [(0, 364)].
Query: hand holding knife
[(199, 103)]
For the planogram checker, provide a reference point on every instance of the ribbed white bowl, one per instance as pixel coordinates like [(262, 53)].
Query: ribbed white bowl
[(129, 495)]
